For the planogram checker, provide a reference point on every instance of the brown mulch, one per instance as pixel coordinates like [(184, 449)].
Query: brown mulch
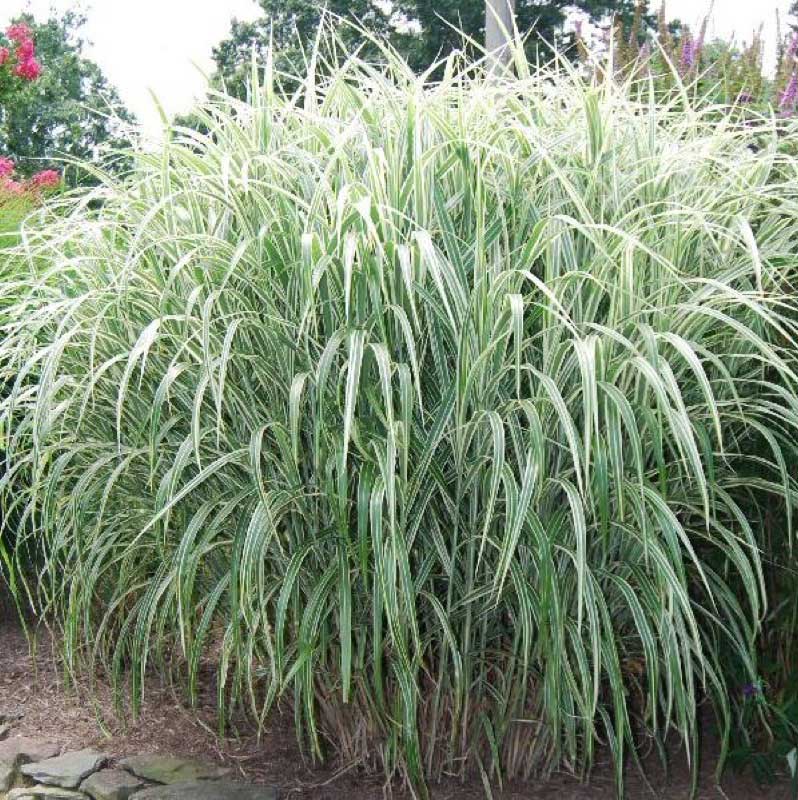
[(32, 685)]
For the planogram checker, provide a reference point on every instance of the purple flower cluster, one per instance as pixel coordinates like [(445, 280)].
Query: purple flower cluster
[(692, 49), (752, 690), (789, 97), (687, 59), (687, 56)]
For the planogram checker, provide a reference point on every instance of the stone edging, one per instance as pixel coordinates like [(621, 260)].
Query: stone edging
[(34, 769)]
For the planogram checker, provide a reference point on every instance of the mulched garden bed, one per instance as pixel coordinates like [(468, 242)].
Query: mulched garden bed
[(31, 685)]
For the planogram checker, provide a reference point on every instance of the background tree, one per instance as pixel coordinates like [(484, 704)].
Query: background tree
[(291, 26), (420, 30), (70, 111), (440, 22)]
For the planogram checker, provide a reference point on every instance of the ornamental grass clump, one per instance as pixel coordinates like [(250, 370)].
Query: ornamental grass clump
[(444, 412)]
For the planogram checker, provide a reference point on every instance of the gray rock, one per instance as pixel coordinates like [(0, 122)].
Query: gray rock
[(22, 750), (111, 784), (168, 769), (66, 771), (215, 790), (44, 793), (7, 775)]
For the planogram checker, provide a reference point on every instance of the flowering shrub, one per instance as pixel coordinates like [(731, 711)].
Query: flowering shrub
[(721, 72), (14, 200), (19, 195), (18, 63), (11, 186)]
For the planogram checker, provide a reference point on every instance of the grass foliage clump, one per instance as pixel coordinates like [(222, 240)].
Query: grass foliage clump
[(446, 412)]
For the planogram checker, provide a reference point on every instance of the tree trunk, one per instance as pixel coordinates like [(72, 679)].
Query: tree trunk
[(499, 29)]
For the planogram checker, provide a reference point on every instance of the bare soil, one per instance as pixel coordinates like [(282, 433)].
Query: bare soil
[(31, 683)]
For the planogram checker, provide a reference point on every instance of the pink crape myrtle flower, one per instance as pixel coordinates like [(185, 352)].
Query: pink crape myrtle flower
[(12, 187), (26, 49), (6, 167), (19, 33), (46, 179), (28, 70), (23, 59)]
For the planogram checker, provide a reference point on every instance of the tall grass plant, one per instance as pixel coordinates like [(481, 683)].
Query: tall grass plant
[(445, 412)]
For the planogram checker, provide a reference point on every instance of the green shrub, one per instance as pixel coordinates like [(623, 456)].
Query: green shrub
[(436, 409)]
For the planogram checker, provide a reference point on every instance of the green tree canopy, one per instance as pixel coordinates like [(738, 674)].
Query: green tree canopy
[(420, 30), (71, 111)]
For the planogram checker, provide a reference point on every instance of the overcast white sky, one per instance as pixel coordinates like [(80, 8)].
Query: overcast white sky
[(157, 45)]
